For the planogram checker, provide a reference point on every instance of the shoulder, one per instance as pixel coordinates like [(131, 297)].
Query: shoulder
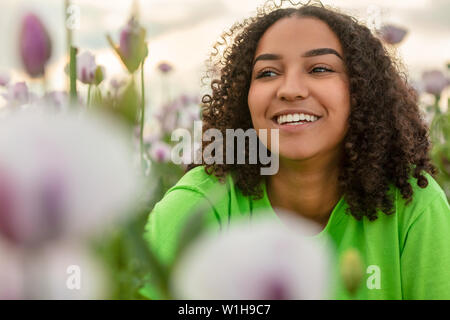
[(195, 191), (198, 181), (422, 198), (429, 203)]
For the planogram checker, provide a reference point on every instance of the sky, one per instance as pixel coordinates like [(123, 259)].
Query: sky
[(182, 32)]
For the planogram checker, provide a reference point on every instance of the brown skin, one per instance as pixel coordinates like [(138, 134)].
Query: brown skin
[(307, 181), (386, 143)]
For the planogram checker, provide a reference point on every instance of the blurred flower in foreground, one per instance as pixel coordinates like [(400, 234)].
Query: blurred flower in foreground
[(35, 45), (352, 270), (59, 270), (434, 81), (62, 175), (11, 277), (261, 260), (392, 34), (88, 71), (132, 48)]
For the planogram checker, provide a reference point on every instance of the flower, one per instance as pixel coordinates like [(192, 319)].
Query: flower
[(160, 151), (87, 70), (434, 81), (4, 79), (63, 174), (132, 48), (352, 270), (164, 67), (19, 95), (392, 34), (35, 45), (56, 99), (261, 259)]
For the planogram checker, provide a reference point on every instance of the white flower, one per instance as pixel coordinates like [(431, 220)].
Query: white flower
[(65, 174), (261, 260), (88, 71), (65, 271)]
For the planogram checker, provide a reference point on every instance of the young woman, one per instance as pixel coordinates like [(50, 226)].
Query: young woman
[(353, 150)]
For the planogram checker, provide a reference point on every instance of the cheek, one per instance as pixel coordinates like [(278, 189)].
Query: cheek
[(257, 103)]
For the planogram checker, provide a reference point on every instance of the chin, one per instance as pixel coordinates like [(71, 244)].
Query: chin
[(296, 154)]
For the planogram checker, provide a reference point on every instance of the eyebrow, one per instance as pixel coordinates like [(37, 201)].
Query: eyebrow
[(307, 54)]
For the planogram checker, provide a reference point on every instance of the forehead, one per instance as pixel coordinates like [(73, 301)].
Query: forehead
[(299, 34)]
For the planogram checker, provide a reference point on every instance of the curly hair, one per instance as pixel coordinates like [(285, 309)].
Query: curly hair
[(387, 140)]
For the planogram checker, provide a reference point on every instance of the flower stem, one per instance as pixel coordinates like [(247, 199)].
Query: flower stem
[(88, 102), (73, 75), (142, 115)]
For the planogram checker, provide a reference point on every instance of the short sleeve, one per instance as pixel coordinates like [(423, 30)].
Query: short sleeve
[(166, 221), (425, 259)]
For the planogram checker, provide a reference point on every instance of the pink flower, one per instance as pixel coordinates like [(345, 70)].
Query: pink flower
[(160, 151), (4, 79), (19, 95), (434, 81), (392, 34), (35, 45), (164, 67), (88, 71), (132, 48)]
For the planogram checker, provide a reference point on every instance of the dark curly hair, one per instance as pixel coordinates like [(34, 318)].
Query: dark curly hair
[(387, 140)]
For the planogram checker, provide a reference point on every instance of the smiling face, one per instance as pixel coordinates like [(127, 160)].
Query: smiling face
[(299, 76)]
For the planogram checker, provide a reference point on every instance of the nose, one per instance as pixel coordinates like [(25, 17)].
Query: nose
[(293, 87)]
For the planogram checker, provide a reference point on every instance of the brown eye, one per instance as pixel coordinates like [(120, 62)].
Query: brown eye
[(265, 74), (321, 70)]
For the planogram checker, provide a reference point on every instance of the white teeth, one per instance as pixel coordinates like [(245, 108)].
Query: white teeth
[(295, 117)]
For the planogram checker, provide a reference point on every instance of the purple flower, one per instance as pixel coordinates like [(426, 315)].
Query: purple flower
[(18, 95), (160, 151), (35, 45), (88, 71), (164, 67), (132, 48), (392, 34), (434, 81), (58, 99), (4, 79)]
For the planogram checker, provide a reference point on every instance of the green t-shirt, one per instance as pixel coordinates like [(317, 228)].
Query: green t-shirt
[(406, 255)]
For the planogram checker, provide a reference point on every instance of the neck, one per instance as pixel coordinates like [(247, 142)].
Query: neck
[(308, 188)]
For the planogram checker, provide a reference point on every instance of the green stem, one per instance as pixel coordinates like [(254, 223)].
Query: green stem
[(68, 35), (142, 114), (73, 75), (89, 96)]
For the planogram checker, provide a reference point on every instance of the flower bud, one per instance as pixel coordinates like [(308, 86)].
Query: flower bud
[(132, 48), (351, 270), (434, 81), (35, 45), (392, 34)]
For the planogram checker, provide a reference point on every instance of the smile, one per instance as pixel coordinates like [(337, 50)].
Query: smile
[(295, 119)]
